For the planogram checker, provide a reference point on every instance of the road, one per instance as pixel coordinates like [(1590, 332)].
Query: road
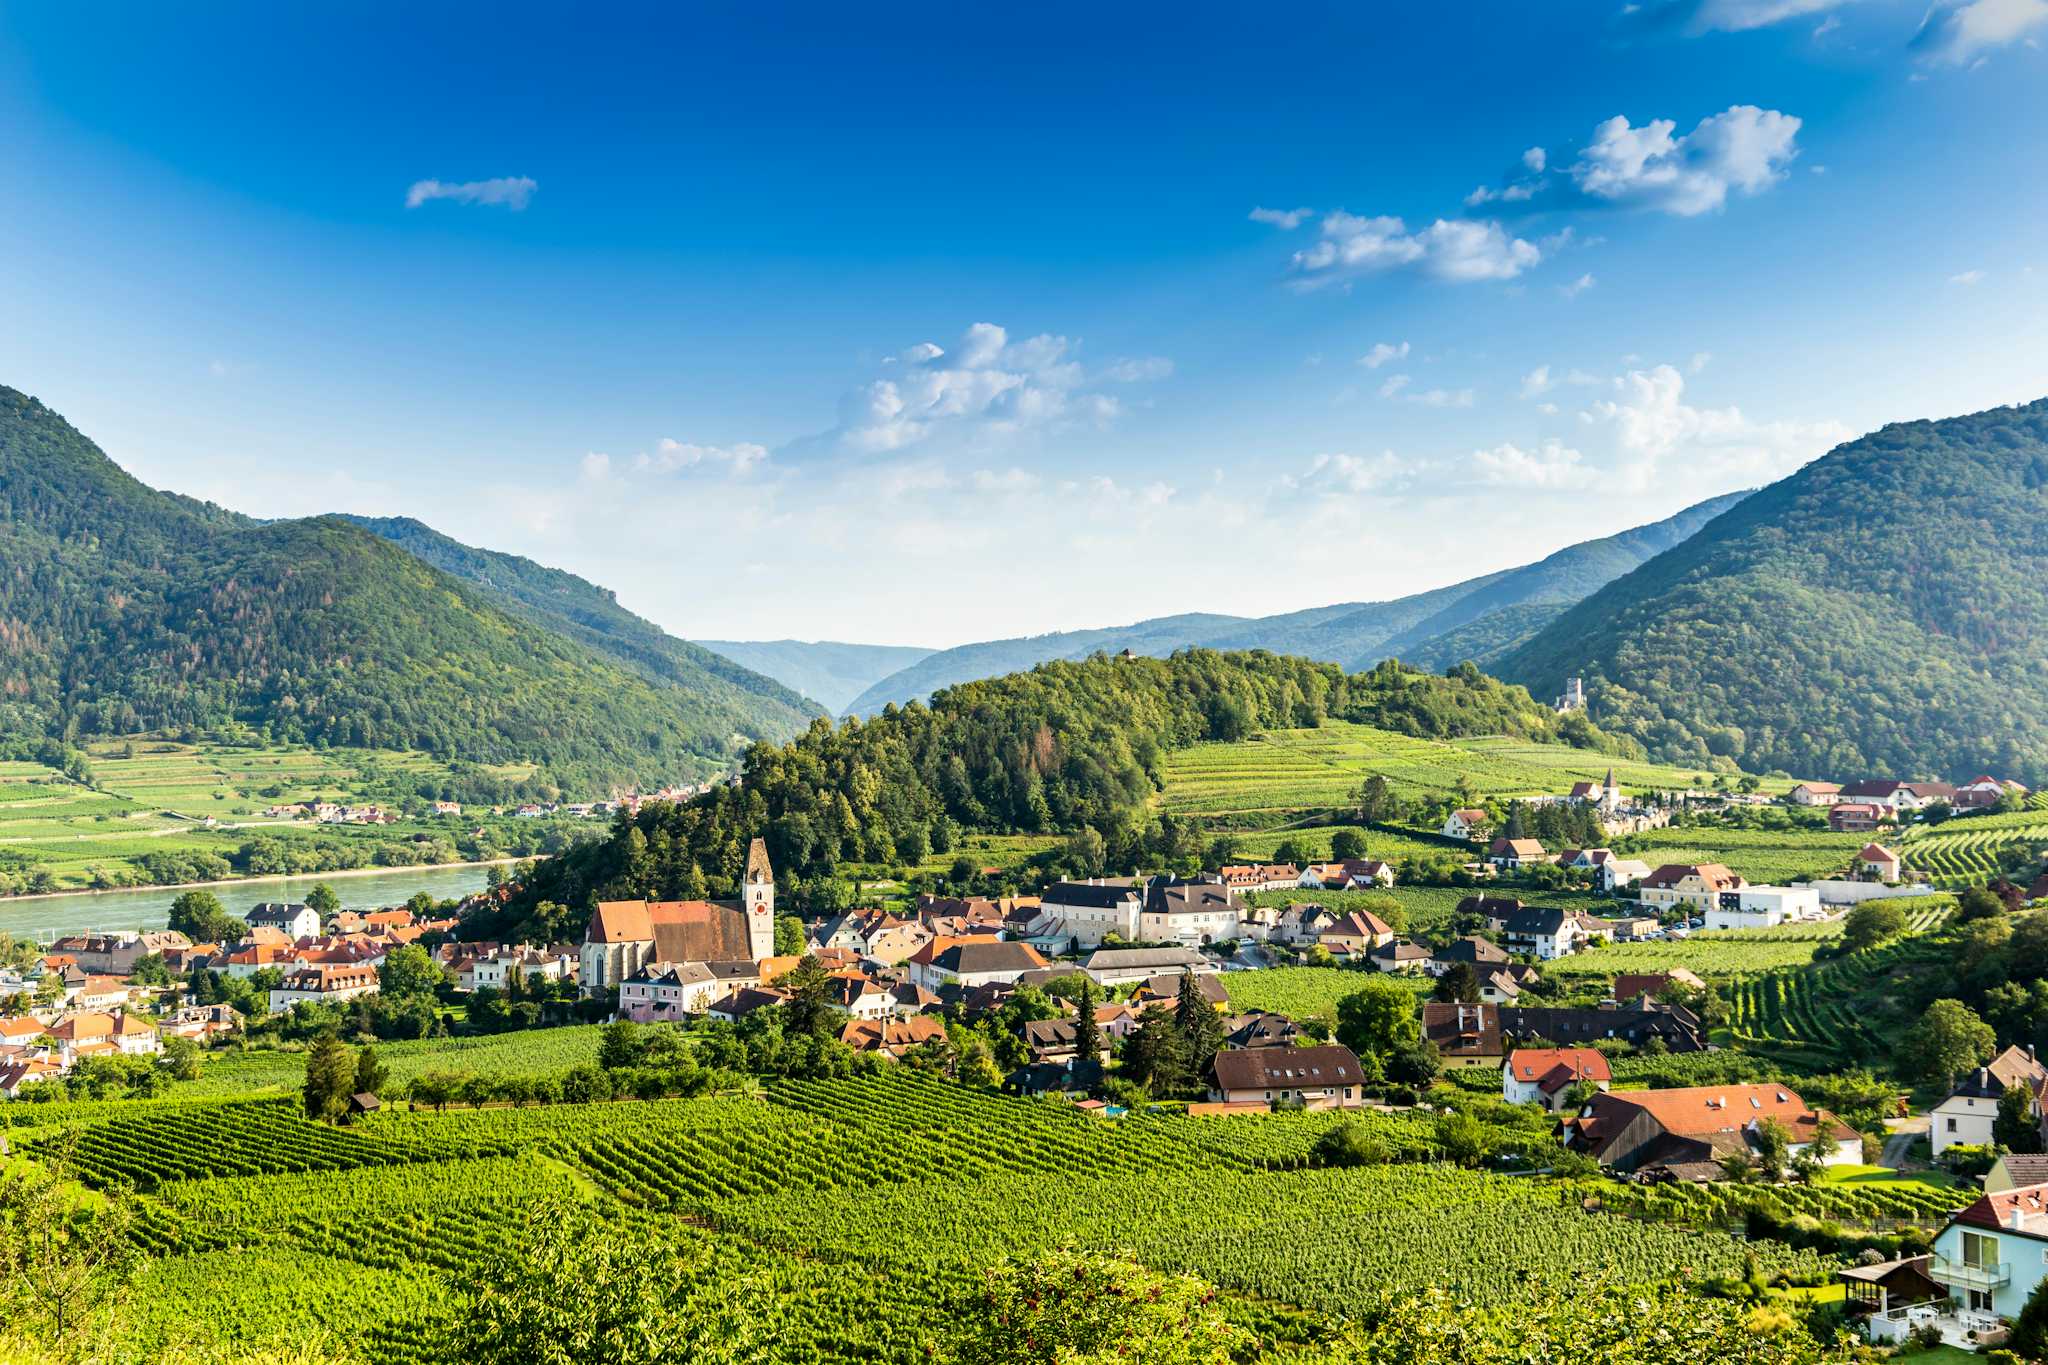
[(1900, 1140)]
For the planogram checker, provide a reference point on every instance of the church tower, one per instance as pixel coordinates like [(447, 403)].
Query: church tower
[(758, 900), (1611, 796)]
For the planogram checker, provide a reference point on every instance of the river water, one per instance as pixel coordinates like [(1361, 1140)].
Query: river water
[(41, 917)]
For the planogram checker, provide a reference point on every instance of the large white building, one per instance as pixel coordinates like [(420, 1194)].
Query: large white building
[(1091, 911), (1763, 907)]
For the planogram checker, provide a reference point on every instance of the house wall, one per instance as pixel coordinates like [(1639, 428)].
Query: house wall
[(2026, 1257), (1089, 925), (1961, 1119)]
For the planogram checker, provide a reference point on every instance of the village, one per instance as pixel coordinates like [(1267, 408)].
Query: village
[(1085, 984)]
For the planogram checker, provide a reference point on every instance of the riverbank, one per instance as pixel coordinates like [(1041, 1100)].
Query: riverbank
[(178, 888), (367, 888)]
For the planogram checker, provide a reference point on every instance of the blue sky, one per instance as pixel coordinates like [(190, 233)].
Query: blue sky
[(924, 325)]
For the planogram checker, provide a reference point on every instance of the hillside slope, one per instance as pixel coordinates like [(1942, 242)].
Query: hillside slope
[(124, 609), (560, 601), (829, 672), (1425, 626), (1882, 612)]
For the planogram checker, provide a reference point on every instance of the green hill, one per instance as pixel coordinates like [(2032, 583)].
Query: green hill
[(125, 609), (576, 607), (1882, 612), (1431, 628)]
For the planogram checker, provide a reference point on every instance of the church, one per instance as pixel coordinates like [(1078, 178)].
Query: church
[(626, 936)]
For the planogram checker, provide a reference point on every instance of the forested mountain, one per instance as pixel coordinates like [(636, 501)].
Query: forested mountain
[(1426, 627), (829, 672), (578, 608), (124, 609), (1063, 747), (1882, 612)]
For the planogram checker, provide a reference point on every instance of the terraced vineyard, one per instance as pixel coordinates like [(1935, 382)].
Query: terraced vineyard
[(1813, 1017), (1967, 852), (1719, 954), (1311, 769), (1765, 857)]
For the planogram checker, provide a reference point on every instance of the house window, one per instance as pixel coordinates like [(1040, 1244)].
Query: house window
[(1951, 1123)]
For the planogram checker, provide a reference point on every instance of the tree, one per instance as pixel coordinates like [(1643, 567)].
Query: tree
[(200, 916), (1463, 1138), (2029, 1339), (409, 972), (330, 1079), (1351, 1143), (570, 1288), (323, 900), (1374, 800), (61, 1257), (1079, 1308), (789, 936), (1977, 902), (1347, 844), (370, 1073), (2016, 1128), (621, 1044), (1379, 1017), (1773, 1147), (1086, 852), (1201, 1028), (809, 1008), (181, 1059), (1087, 1037), (1871, 923), (1458, 984), (1948, 1040), (1155, 1055)]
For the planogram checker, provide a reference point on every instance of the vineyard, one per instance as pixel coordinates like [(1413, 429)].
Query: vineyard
[(1318, 769), (861, 1210), (496, 1055), (1302, 992), (1721, 953), (1966, 852), (1834, 1013)]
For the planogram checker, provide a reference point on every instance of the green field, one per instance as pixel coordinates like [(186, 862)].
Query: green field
[(1968, 850), (1301, 770), (1764, 857), (858, 1214), (156, 797)]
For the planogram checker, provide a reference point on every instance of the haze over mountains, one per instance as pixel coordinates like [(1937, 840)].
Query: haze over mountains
[(829, 672), (124, 609), (1477, 619)]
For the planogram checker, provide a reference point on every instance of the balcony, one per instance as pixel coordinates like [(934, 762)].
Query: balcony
[(1964, 1275)]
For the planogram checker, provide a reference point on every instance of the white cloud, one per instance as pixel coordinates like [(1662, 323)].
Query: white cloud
[(1967, 277), (1141, 370), (1577, 286), (510, 192), (1354, 473), (671, 456), (1959, 35), (1445, 398), (596, 466), (1382, 352), (1552, 466), (1535, 159), (1537, 381), (1285, 219), (1699, 361), (1393, 385), (1005, 481), (1456, 250), (988, 389), (1740, 16), (1743, 149), (1661, 436)]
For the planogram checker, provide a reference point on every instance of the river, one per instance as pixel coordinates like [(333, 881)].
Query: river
[(42, 916)]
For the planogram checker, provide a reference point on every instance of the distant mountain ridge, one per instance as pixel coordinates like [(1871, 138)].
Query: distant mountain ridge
[(1882, 612), (1432, 629), (829, 672), (124, 609)]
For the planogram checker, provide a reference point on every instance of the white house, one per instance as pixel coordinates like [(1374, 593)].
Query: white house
[(1468, 824), (1966, 1115), (1762, 907), (1091, 911), (1696, 886), (972, 962), (293, 920), (1816, 793), (1189, 912), (1513, 854), (326, 982), (670, 990), (1548, 934), (1546, 1075), (1125, 966)]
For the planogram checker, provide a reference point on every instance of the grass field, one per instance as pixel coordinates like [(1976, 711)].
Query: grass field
[(155, 796), (1765, 857), (1283, 770)]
